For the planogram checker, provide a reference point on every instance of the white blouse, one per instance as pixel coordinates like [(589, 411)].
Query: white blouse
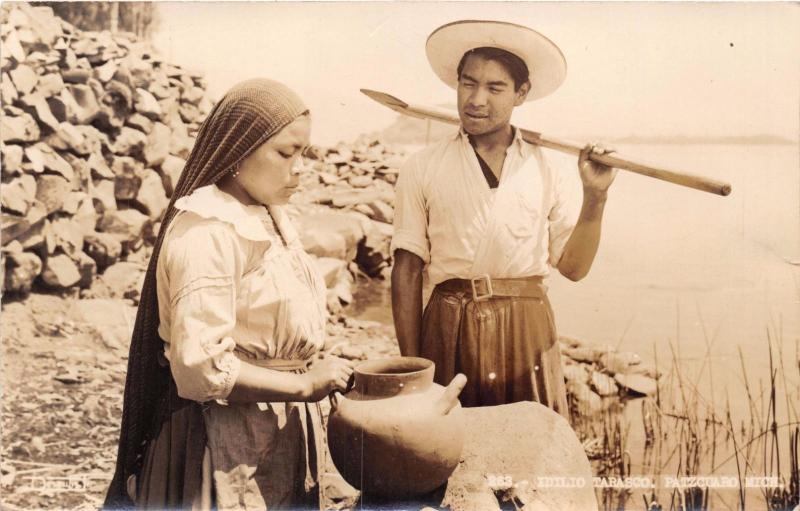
[(229, 290), (448, 216)]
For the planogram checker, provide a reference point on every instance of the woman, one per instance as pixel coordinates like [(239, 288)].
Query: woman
[(219, 404)]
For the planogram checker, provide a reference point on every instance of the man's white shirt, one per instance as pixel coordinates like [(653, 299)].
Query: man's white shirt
[(446, 213)]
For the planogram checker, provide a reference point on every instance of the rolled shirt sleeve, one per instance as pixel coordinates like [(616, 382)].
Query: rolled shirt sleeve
[(203, 264), (411, 215), (566, 206)]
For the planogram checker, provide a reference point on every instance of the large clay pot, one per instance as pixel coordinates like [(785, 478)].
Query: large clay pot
[(397, 434)]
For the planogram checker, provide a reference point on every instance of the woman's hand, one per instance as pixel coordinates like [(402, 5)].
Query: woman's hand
[(326, 375)]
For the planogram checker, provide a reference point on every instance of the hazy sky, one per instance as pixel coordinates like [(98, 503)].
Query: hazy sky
[(633, 68)]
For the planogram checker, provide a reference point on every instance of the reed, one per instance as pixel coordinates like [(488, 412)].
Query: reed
[(687, 434)]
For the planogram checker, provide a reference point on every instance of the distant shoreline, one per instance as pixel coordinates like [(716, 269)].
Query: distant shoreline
[(408, 130), (751, 140)]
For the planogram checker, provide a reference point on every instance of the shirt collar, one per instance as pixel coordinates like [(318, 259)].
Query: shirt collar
[(248, 221), (517, 142)]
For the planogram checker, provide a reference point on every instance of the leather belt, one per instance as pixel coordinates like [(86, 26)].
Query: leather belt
[(484, 287)]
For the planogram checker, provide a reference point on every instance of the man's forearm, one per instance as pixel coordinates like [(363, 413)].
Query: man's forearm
[(581, 248), (407, 301)]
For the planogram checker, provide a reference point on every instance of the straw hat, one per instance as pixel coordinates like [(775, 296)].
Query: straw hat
[(448, 43)]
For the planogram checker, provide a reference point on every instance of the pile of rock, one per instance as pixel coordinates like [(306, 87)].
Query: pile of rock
[(597, 376), (345, 209), (95, 132)]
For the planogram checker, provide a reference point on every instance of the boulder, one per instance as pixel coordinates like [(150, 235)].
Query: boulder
[(51, 191), (327, 178), (116, 103), (60, 272), (157, 148), (16, 227), (619, 361), (603, 384), (8, 93), (102, 192), (24, 78), (127, 224), (54, 162), (344, 198), (324, 243), (189, 113), (171, 169), (68, 236), (21, 269), (50, 85), (37, 105), (105, 249), (111, 320), (637, 383), (12, 158), (588, 354), (193, 95), (121, 280), (87, 269), (343, 288), (65, 136), (98, 167), (576, 372), (160, 91), (129, 141), (379, 211), (584, 399), (360, 181), (18, 194), (374, 250), (84, 97), (521, 443), (12, 47), (127, 178), (180, 143), (22, 128), (151, 194), (44, 23), (49, 238), (106, 72), (330, 234), (78, 76), (140, 122), (331, 269), (146, 104)]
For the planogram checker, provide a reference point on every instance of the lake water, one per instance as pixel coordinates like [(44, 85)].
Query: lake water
[(690, 273)]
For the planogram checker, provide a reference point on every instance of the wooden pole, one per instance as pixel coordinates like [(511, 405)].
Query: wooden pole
[(613, 159)]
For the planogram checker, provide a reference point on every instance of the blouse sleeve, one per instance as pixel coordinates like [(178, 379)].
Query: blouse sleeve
[(411, 216), (203, 264)]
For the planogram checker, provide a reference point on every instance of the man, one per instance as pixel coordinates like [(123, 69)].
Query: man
[(489, 214)]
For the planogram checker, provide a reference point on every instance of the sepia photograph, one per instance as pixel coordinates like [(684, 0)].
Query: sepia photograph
[(464, 256)]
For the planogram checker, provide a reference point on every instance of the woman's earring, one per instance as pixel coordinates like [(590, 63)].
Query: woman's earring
[(235, 171)]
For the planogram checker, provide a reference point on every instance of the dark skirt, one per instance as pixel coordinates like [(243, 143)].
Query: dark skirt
[(234, 456)]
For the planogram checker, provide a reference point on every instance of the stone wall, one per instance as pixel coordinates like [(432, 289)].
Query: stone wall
[(95, 132)]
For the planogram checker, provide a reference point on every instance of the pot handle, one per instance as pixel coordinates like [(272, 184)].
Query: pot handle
[(450, 397)]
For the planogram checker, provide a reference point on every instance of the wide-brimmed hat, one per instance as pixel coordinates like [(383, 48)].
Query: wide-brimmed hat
[(448, 43)]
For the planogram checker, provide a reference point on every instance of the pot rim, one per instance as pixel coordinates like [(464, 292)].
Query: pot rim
[(368, 368)]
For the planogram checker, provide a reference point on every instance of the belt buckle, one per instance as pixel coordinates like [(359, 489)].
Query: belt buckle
[(476, 297)]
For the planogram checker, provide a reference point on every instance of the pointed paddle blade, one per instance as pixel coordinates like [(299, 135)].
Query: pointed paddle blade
[(418, 111)]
